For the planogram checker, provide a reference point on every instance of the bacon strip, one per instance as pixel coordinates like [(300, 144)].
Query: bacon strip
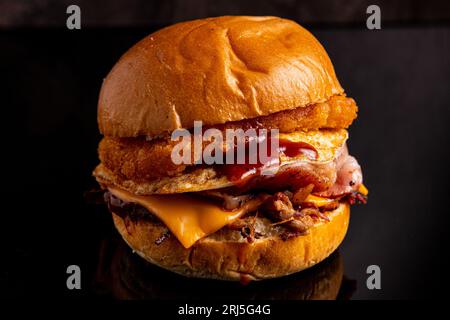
[(349, 176)]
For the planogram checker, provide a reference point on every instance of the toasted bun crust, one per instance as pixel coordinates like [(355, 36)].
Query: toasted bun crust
[(216, 258), (215, 70)]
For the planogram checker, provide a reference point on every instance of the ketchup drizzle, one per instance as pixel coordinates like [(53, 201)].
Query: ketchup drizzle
[(240, 174)]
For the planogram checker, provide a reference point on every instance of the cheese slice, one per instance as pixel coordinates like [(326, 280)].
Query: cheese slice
[(318, 201), (363, 190), (189, 218)]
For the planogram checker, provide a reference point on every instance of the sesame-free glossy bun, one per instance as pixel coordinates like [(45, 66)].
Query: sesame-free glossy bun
[(215, 70), (218, 257)]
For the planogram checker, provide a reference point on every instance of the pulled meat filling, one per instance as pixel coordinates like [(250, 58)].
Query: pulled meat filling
[(281, 214)]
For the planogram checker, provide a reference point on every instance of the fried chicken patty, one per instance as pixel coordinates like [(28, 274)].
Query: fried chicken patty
[(338, 112), (141, 160)]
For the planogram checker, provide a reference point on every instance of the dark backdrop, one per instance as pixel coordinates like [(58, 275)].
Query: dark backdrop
[(50, 79)]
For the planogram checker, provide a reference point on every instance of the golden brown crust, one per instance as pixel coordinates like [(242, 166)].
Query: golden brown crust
[(212, 257), (217, 70), (338, 112), (197, 180), (139, 159)]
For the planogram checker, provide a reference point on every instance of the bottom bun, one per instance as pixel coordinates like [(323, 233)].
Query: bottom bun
[(125, 275), (220, 258)]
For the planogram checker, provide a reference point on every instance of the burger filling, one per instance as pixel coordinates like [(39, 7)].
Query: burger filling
[(253, 216), (314, 174)]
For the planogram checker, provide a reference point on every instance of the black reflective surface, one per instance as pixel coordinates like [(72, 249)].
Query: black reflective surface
[(49, 84)]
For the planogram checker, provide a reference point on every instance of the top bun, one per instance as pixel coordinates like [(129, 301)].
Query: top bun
[(215, 70)]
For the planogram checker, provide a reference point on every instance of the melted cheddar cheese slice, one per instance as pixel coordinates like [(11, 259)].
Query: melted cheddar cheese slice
[(318, 201)]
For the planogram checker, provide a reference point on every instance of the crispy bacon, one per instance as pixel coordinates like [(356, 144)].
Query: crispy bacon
[(356, 197), (349, 177)]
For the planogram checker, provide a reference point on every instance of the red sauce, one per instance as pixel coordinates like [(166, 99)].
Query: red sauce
[(240, 174), (245, 279), (294, 149)]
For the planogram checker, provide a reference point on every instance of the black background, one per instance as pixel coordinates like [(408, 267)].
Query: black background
[(399, 76)]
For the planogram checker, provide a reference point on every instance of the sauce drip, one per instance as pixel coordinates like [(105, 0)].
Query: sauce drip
[(293, 149), (240, 174)]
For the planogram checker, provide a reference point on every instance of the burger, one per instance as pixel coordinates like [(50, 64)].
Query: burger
[(232, 220)]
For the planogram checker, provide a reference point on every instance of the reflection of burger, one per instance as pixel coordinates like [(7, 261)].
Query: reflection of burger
[(123, 275), (228, 221)]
